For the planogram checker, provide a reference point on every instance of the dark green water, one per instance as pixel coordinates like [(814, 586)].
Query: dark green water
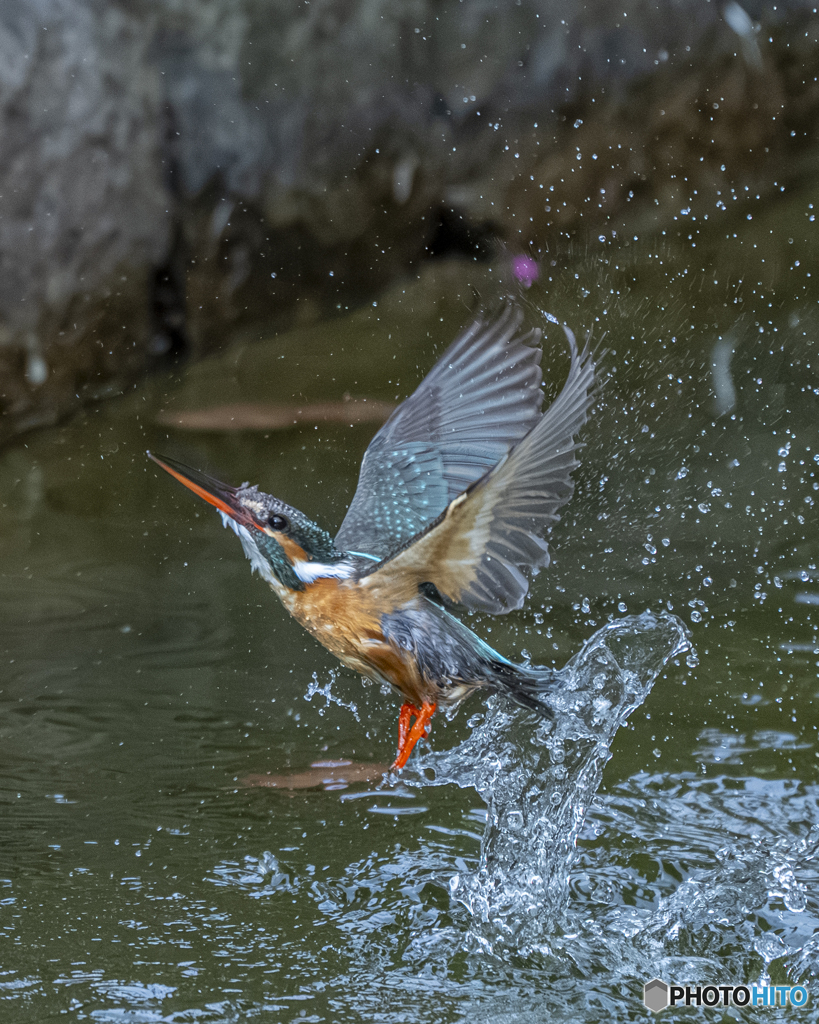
[(145, 674)]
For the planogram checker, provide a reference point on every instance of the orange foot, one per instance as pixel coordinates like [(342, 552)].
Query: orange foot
[(407, 738)]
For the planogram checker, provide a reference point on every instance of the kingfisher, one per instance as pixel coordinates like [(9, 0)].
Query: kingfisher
[(455, 493)]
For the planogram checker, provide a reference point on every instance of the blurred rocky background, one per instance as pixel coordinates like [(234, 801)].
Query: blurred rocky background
[(172, 171)]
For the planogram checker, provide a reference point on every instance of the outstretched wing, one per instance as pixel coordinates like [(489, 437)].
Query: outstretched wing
[(475, 551), (481, 397)]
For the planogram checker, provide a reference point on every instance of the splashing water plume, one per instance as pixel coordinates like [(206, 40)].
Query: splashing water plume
[(326, 690), (538, 777)]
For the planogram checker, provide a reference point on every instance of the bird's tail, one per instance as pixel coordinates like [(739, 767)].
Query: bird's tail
[(528, 686)]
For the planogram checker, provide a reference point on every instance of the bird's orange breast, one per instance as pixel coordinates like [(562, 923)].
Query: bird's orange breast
[(343, 616)]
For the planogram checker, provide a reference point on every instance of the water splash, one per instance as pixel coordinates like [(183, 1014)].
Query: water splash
[(751, 907), (326, 691), (258, 876), (538, 777)]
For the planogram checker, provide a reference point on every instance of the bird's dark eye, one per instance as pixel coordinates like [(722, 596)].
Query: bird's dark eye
[(277, 523)]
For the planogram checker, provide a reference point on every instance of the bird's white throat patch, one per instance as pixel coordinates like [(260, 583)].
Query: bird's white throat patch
[(258, 562)]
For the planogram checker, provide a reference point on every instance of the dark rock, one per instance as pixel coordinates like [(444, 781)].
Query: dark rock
[(83, 207)]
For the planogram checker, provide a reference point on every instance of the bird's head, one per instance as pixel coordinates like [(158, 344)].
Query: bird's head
[(285, 546)]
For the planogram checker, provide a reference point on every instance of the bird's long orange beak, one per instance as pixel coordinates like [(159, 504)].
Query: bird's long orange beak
[(214, 492)]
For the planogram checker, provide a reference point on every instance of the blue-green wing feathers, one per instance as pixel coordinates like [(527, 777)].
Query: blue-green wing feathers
[(478, 550), (479, 400)]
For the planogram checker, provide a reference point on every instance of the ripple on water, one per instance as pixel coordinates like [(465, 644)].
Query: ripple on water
[(718, 746), (72, 607)]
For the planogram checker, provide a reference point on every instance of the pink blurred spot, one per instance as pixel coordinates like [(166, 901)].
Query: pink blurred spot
[(525, 270)]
